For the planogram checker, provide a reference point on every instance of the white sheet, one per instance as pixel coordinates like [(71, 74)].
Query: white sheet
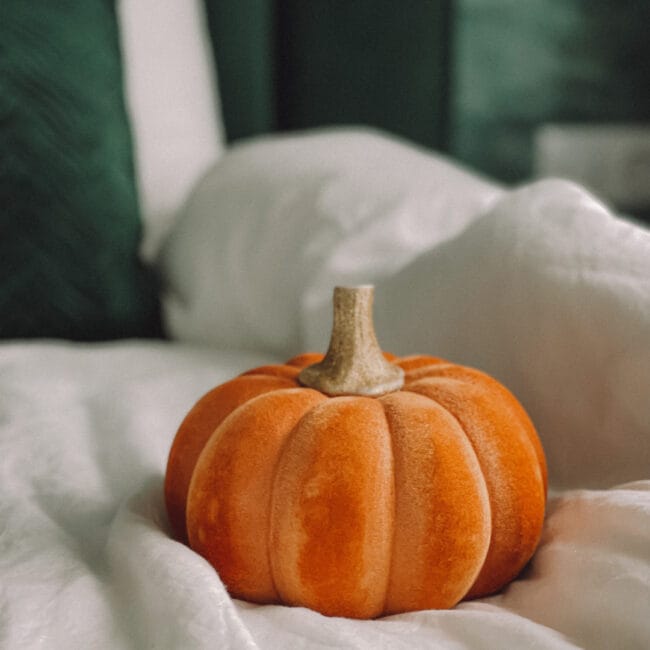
[(87, 562), (540, 286)]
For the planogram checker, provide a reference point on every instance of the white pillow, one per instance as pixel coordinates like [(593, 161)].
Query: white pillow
[(173, 103), (280, 220), (549, 293)]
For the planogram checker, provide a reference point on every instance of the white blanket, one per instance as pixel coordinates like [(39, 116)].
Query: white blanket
[(540, 286)]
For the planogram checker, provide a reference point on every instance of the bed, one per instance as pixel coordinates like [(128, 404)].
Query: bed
[(542, 286)]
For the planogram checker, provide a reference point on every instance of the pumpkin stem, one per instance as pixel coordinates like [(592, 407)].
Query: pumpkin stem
[(354, 363)]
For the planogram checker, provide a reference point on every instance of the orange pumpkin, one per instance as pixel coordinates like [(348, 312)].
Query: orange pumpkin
[(362, 485)]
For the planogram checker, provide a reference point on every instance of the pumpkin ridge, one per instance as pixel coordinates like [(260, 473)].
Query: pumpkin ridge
[(442, 406), (216, 525), (489, 500), (198, 426), (272, 497), (284, 370), (321, 517), (391, 547), (412, 362), (451, 455), (415, 374), (440, 370), (506, 559), (488, 504)]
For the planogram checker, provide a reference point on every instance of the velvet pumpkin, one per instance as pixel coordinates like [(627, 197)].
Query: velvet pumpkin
[(359, 484)]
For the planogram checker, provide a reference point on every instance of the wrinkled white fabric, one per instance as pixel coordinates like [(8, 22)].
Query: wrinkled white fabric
[(87, 561), (540, 286), (550, 293), (282, 218), (83, 428)]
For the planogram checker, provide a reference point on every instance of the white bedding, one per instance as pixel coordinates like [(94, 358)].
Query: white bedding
[(540, 286)]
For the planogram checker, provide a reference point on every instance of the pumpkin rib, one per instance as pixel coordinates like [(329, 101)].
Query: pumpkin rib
[(229, 497), (393, 529), (415, 362), (195, 430), (490, 503), (505, 559), (457, 371), (433, 465), (275, 370), (273, 495), (331, 507)]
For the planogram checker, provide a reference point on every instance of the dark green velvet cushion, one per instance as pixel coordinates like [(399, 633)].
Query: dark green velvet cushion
[(69, 220)]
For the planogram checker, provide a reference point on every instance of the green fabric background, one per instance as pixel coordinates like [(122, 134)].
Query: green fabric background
[(518, 65), (287, 64), (69, 219), (244, 40), (473, 78)]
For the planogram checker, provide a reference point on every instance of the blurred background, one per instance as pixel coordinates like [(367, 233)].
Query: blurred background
[(511, 89), (108, 116)]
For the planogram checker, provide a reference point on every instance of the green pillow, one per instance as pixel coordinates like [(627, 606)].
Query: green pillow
[(69, 219)]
